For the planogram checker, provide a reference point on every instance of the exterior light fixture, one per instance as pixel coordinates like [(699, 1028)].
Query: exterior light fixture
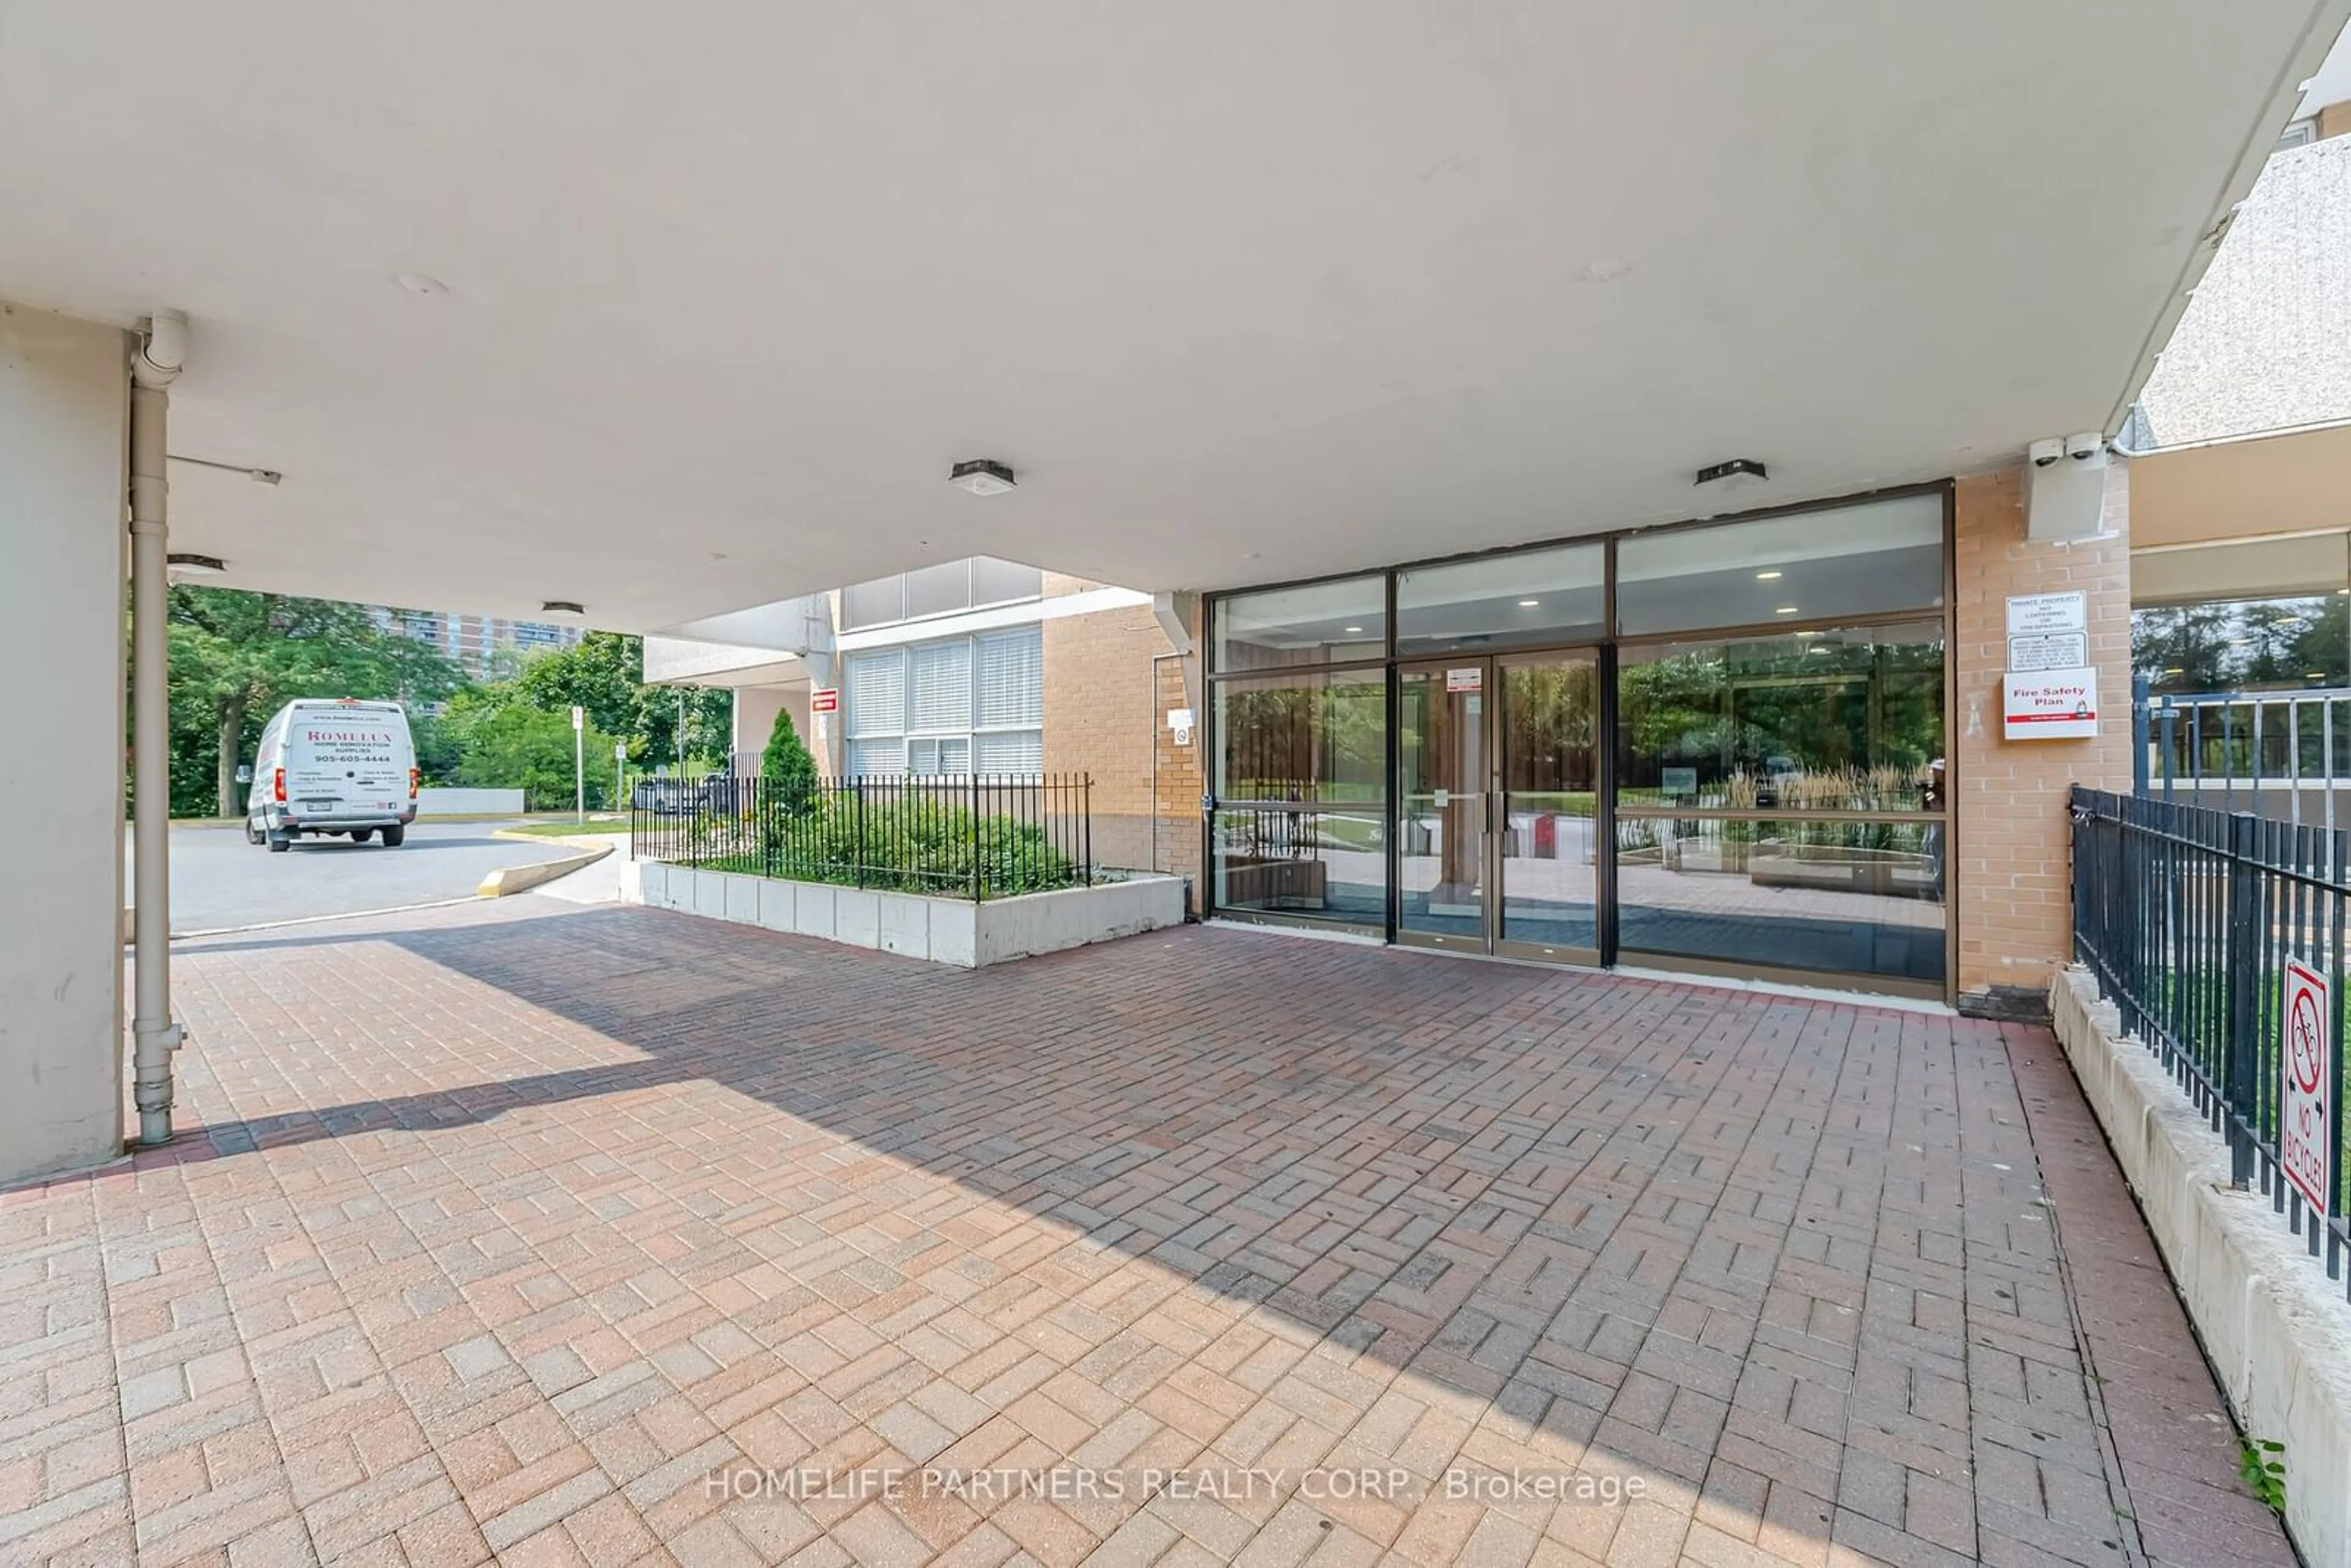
[(1353, 630), (1786, 610), (562, 607), (1529, 603), (196, 564), (418, 283), (1773, 576), (1739, 470), (981, 476)]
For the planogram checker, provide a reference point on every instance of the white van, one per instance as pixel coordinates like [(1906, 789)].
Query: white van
[(327, 766)]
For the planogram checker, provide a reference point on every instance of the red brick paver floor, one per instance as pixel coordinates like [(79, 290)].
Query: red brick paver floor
[(611, 1235)]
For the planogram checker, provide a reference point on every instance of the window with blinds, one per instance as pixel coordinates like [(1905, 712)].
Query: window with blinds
[(957, 706)]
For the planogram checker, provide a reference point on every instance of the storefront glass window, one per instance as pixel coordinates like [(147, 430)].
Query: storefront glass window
[(1846, 720), (1868, 559), (1538, 599), (1316, 623)]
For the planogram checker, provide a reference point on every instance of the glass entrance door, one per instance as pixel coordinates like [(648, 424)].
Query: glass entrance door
[(1497, 785), (1547, 850), (1444, 792)]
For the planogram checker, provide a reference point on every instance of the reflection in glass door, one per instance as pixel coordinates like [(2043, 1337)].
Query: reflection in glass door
[(1443, 792), (1548, 854)]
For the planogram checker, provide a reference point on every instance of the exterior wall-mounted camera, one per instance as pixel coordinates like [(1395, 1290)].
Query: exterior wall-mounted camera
[(2067, 501), (2081, 448)]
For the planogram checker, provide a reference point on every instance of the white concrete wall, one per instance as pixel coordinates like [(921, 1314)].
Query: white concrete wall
[(755, 715), (943, 930), (64, 420), (2276, 1328), (438, 802)]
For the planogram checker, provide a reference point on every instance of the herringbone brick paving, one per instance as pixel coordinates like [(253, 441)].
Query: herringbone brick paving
[(614, 1235)]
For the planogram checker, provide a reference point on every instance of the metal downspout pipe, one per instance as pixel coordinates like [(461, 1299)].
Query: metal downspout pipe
[(163, 350)]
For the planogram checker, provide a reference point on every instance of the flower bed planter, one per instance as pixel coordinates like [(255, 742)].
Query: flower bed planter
[(956, 930)]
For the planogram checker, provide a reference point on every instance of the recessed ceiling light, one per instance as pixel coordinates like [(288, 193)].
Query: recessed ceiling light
[(1786, 610), (1767, 577), (981, 476), (1529, 603), (196, 564), (1354, 629), (418, 283)]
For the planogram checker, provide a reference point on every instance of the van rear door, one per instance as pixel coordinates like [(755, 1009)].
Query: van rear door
[(346, 762)]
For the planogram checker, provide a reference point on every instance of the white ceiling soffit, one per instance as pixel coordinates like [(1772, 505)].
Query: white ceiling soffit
[(1241, 291)]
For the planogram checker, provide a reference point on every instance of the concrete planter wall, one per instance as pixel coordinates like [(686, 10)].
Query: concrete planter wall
[(943, 930), (2276, 1328)]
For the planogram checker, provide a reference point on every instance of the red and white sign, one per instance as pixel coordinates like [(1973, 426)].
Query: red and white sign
[(1470, 679), (825, 699), (2302, 1113), (2050, 704)]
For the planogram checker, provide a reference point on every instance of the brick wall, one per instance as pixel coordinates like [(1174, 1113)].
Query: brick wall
[(1102, 717), (2012, 841)]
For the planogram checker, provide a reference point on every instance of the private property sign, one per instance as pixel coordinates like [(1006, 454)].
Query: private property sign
[(825, 699), (2050, 704), (2302, 1111)]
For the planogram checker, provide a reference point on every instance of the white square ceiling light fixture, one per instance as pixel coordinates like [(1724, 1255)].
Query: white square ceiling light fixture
[(981, 476)]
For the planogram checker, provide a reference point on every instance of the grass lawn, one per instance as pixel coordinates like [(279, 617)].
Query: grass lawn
[(566, 826)]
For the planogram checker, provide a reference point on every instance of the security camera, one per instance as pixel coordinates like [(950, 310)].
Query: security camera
[(2082, 447), (2044, 453)]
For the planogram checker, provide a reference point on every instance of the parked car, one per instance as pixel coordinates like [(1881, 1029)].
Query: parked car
[(332, 765)]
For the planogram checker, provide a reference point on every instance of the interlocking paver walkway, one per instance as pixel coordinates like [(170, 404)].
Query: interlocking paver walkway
[(604, 1235)]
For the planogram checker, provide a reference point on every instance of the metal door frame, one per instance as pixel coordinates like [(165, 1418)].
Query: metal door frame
[(1499, 943), (1489, 842)]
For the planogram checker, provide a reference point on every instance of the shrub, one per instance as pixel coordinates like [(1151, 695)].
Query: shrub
[(787, 767)]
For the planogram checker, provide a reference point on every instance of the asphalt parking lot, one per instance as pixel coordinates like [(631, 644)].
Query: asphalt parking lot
[(220, 881)]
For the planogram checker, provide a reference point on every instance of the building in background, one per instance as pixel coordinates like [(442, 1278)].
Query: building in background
[(475, 641), (2241, 565), (976, 665)]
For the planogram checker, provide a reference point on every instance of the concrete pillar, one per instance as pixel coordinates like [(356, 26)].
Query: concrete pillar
[(2013, 836), (64, 426)]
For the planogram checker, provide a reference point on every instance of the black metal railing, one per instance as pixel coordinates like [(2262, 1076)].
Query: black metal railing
[(2188, 918), (979, 835)]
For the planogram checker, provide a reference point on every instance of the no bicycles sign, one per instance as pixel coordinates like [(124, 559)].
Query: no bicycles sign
[(2301, 1114)]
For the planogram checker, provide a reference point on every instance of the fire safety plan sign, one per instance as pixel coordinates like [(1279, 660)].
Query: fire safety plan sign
[(2301, 1110), (2050, 704)]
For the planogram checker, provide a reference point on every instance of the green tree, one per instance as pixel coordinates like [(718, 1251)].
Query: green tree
[(236, 657), (515, 745), (786, 765), (605, 674)]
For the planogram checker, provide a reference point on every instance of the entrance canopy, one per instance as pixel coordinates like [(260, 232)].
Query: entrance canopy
[(675, 311)]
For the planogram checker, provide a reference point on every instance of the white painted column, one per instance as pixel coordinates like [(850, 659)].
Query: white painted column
[(65, 390)]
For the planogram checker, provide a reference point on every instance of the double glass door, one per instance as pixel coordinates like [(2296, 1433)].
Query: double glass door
[(1497, 789)]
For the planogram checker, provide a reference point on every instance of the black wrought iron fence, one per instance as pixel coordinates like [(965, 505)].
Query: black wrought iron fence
[(980, 835), (2191, 920)]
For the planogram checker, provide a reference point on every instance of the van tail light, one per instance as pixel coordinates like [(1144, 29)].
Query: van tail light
[(277, 787), (415, 776)]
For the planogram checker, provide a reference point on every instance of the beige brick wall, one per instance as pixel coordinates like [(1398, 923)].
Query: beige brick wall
[(1104, 717), (2011, 842)]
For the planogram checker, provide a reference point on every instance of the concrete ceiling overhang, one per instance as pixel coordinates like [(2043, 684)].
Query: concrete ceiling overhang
[(1242, 291)]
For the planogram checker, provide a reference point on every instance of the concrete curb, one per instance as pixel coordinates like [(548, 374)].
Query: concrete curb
[(2278, 1330), (521, 878)]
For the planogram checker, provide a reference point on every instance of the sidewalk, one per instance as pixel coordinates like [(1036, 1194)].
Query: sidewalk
[(601, 1234)]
